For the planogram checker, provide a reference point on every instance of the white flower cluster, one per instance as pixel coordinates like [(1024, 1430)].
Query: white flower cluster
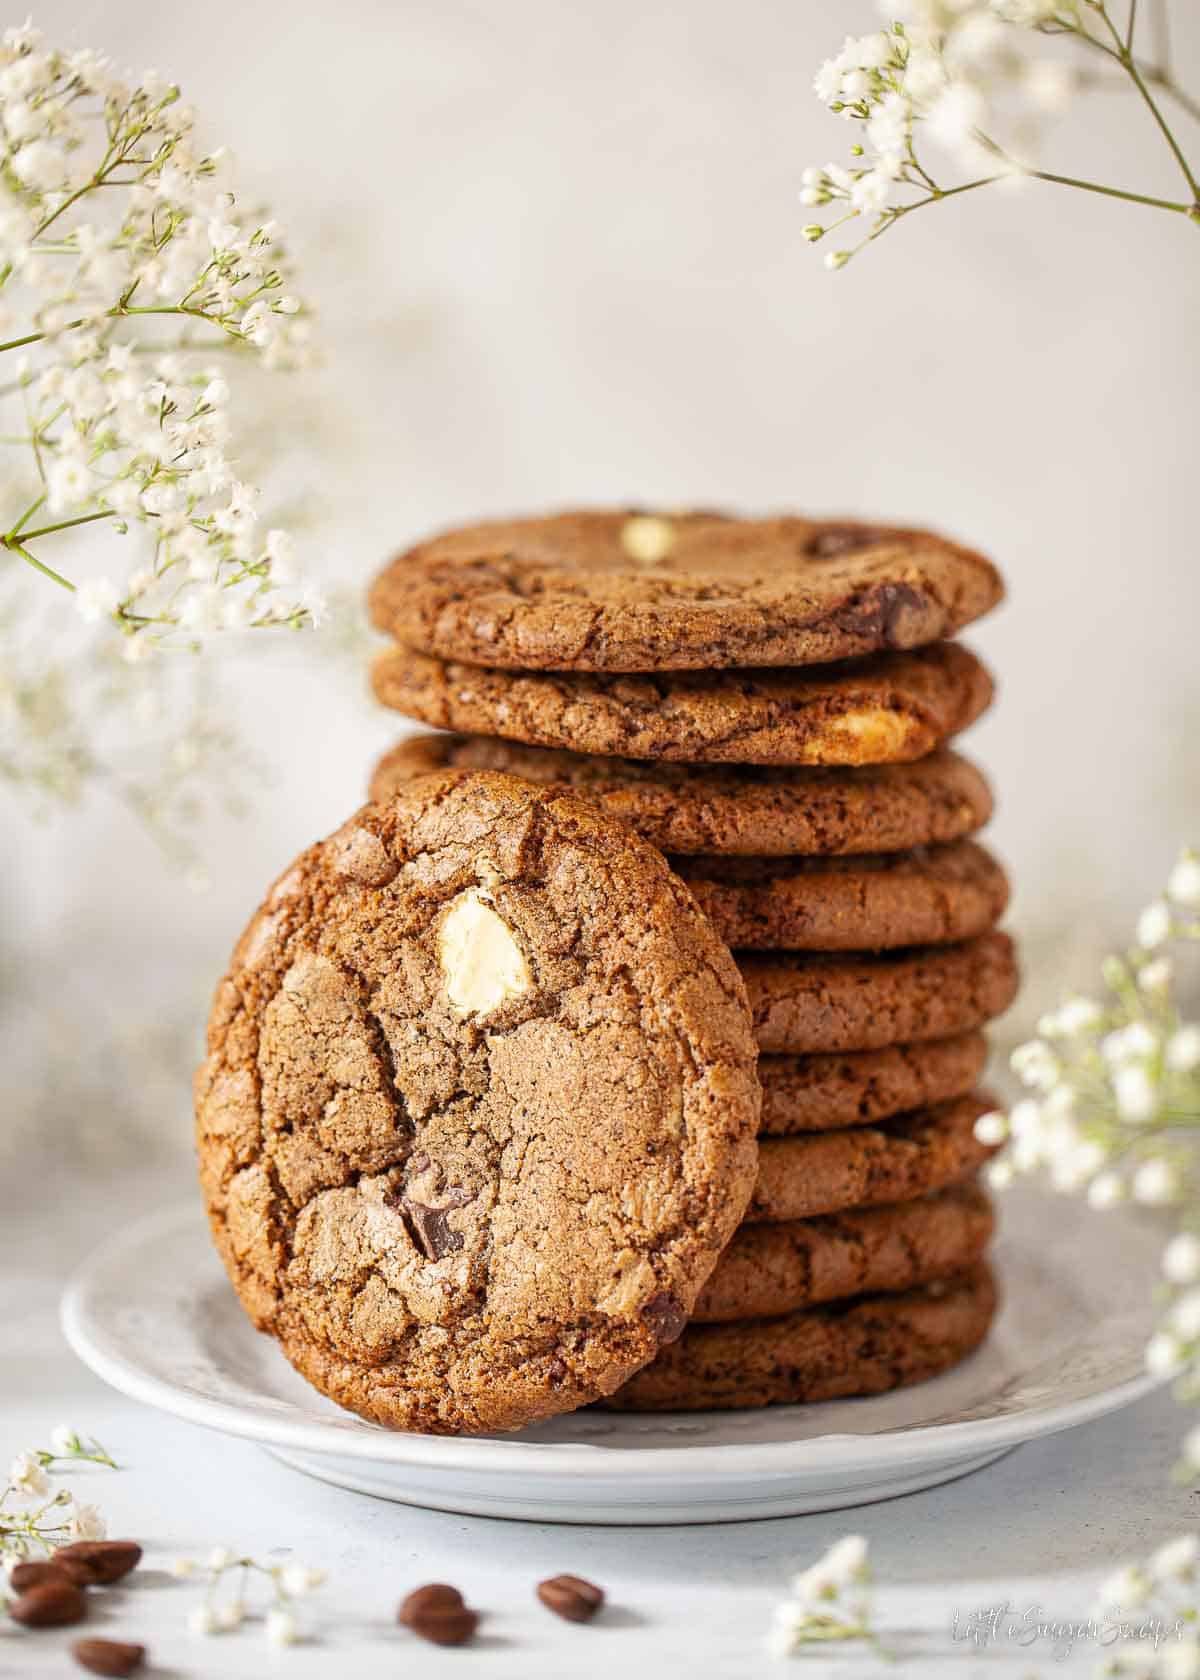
[(288, 1582), (952, 67), (1162, 1588), (828, 1602), (1113, 1110), (127, 266), (33, 1517)]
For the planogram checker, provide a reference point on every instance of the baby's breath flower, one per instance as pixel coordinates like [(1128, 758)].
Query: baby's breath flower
[(1183, 883), (86, 1523), (281, 1627), (26, 1477), (1176, 1561), (183, 1568), (1106, 1190), (1136, 1094), (1181, 1258), (202, 1619), (1185, 1315), (1155, 1183), (992, 1128), (1127, 1589), (1183, 1050), (1154, 925)]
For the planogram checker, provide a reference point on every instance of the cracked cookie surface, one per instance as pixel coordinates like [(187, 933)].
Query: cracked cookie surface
[(736, 810), (768, 1270), (890, 708), (935, 895), (624, 590), (828, 1090), (831, 1002), (478, 1113), (868, 1166)]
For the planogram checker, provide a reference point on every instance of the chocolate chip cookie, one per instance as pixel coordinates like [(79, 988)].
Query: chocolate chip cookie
[(932, 896), (869, 1166), (624, 590), (803, 1003), (746, 810), (865, 1345), (826, 1091), (768, 1270), (890, 708), (479, 1108)]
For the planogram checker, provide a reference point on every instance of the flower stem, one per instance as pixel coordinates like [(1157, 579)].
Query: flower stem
[(62, 525), (15, 547)]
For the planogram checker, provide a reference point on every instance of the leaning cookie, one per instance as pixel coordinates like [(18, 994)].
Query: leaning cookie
[(731, 809), (888, 709), (623, 590), (866, 1345), (479, 1109), (768, 1270)]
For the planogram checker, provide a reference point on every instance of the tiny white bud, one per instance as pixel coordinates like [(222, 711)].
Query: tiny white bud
[(1164, 1355), (182, 1567), (1183, 884), (1137, 1098), (1154, 1183), (1183, 1050), (1176, 1560), (836, 259), (220, 1558), (1105, 1191), (281, 1627), (230, 1616), (1185, 1315), (1156, 976), (202, 1620), (991, 1128), (1181, 1258), (1154, 925), (999, 1174)]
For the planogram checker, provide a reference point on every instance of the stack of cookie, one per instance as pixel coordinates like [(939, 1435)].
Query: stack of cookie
[(768, 703)]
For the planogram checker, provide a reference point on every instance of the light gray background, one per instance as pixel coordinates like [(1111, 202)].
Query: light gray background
[(558, 259)]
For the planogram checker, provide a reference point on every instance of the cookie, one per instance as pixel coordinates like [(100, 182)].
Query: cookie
[(628, 591), (862, 1346), (768, 1270), (746, 810), (932, 896), (824, 1092), (479, 1109), (887, 709), (803, 1003), (869, 1166)]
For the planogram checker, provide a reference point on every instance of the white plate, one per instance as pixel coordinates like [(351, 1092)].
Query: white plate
[(152, 1313)]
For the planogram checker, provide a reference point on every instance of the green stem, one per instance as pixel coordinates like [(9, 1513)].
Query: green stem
[(1129, 64), (15, 547), (62, 525), (1112, 192), (115, 313)]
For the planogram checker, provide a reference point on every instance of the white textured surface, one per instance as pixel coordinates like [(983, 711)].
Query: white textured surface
[(1040, 1527)]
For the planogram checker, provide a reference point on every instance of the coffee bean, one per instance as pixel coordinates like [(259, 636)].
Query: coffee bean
[(437, 1612), (108, 1656), (51, 1604), (32, 1573), (571, 1597), (108, 1560)]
